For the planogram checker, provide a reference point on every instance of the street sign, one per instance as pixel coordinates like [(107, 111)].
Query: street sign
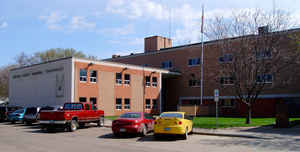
[(216, 95)]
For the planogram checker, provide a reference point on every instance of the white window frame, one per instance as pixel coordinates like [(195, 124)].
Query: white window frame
[(148, 106), (127, 106), (227, 81), (126, 82), (154, 84), (119, 81), (118, 106), (148, 83), (167, 64), (83, 77), (265, 82), (93, 79), (194, 62), (226, 58)]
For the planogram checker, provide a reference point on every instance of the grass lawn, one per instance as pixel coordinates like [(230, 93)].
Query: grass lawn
[(210, 122), (111, 117)]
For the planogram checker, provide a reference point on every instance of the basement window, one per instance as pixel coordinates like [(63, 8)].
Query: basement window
[(194, 83), (118, 78), (118, 103), (226, 80), (127, 104), (148, 104), (194, 62), (83, 75), (127, 79), (93, 76), (226, 58), (154, 104), (166, 65), (264, 78)]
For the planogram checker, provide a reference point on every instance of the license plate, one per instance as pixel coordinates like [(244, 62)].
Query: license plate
[(167, 129), (122, 130)]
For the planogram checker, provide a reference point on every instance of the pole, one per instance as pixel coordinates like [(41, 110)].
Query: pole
[(216, 115), (202, 54)]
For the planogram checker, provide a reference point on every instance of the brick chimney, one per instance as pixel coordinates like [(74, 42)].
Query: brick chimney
[(155, 43)]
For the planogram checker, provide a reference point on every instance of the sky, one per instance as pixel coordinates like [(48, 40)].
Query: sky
[(106, 27)]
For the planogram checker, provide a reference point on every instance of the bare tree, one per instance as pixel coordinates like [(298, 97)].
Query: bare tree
[(4, 79), (253, 61)]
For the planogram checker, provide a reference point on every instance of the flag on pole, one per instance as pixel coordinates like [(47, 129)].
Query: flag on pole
[(202, 19)]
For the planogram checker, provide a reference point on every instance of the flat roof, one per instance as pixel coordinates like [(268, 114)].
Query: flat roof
[(175, 48), (101, 62)]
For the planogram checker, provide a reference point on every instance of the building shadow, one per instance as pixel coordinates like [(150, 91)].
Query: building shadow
[(112, 136)]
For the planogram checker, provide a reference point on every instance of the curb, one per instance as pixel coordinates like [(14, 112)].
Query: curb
[(228, 135)]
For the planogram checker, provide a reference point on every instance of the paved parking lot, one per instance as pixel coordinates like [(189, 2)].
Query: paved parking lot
[(20, 138)]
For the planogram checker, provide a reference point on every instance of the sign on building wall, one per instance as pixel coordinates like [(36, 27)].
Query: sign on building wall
[(60, 85)]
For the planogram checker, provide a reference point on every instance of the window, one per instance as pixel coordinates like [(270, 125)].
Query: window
[(83, 75), (127, 104), (226, 80), (226, 58), (154, 81), (93, 100), (194, 83), (127, 79), (118, 104), (118, 78), (194, 62), (147, 81), (166, 64), (264, 54), (87, 107), (264, 78), (154, 104), (93, 76), (82, 99), (227, 102), (148, 104)]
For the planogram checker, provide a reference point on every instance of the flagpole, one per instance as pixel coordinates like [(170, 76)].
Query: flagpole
[(202, 55)]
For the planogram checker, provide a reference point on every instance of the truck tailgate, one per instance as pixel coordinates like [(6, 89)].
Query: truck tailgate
[(52, 115)]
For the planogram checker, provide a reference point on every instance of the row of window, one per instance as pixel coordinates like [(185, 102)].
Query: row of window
[(148, 82), (119, 79), (93, 100), (263, 78), (264, 54), (126, 104), (92, 76)]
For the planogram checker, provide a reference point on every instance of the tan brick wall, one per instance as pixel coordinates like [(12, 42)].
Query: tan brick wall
[(107, 93)]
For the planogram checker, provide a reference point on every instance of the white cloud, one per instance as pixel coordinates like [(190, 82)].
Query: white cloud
[(80, 23), (58, 21), (3, 25), (137, 8), (125, 30)]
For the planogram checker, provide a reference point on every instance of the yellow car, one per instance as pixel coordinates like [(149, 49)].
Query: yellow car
[(173, 123)]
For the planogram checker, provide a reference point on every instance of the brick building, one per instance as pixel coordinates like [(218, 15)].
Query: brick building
[(183, 92), (113, 87)]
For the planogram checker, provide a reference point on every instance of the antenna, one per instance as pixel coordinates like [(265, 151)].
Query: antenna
[(170, 22)]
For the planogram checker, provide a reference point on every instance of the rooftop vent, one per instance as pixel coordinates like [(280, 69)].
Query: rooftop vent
[(263, 30)]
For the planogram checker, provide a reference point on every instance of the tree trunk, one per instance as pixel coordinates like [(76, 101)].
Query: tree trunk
[(248, 119)]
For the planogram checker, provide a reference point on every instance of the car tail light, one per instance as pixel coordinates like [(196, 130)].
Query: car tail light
[(179, 122)]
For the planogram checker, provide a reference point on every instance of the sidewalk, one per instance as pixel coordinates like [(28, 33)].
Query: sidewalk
[(245, 132)]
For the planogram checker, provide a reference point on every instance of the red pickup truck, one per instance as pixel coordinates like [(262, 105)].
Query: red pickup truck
[(72, 116)]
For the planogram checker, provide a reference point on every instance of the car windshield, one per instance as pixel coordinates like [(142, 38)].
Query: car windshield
[(171, 115), (131, 115), (73, 106), (47, 108), (19, 111), (31, 111)]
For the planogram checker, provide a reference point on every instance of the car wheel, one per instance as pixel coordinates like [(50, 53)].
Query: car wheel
[(73, 126), (143, 130), (116, 134), (156, 136), (100, 122), (186, 134)]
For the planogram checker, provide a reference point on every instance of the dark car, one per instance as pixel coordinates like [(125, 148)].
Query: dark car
[(6, 110), (17, 116), (32, 115), (133, 123)]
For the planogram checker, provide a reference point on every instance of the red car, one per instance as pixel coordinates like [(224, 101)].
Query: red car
[(133, 123)]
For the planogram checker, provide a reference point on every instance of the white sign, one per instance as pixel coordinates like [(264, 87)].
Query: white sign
[(216, 95)]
